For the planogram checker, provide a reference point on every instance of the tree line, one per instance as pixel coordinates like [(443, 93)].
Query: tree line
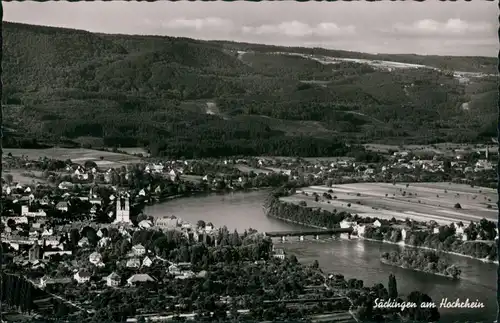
[(422, 260)]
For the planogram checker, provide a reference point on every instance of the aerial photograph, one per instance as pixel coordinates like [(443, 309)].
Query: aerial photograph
[(249, 162)]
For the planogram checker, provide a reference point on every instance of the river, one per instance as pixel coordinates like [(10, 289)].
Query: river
[(354, 258)]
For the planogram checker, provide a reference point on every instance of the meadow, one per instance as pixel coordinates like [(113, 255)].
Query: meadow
[(418, 201), (78, 155), (24, 177)]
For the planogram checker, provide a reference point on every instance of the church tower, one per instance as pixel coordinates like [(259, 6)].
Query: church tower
[(122, 209)]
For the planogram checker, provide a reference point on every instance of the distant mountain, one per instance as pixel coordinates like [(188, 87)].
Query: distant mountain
[(187, 97)]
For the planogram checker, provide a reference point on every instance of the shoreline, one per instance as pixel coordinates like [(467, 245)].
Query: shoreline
[(382, 260), (403, 244)]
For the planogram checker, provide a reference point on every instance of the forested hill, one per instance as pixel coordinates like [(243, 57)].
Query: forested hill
[(187, 97)]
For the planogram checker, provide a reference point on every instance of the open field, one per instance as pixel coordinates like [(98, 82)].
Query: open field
[(247, 169), (77, 155), (421, 201), (19, 176)]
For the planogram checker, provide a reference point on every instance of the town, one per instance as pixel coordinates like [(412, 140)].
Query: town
[(83, 225)]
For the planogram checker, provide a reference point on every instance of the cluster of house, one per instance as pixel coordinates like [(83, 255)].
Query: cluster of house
[(360, 229), (399, 160), (31, 223), (34, 241), (82, 276), (459, 164), (137, 258)]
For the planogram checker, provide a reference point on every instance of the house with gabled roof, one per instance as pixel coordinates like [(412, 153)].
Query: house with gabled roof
[(45, 200), (84, 242), (104, 242), (82, 276), (147, 262), (65, 185), (133, 263), (459, 228), (62, 206), (113, 280), (95, 258), (138, 250), (139, 278), (145, 224), (47, 232)]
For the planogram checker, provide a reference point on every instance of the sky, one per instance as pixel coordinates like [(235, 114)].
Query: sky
[(429, 28)]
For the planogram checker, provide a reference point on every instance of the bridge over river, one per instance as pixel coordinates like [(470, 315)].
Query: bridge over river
[(303, 233)]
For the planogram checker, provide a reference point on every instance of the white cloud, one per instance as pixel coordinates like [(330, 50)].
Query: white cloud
[(450, 27), (199, 24), (299, 29)]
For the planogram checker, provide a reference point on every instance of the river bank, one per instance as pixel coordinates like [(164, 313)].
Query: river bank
[(403, 244), (386, 262)]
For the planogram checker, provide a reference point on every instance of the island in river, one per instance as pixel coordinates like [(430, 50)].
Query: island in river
[(421, 260)]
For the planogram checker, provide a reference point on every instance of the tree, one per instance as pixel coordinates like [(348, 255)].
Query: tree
[(201, 224), (90, 164), (487, 229), (62, 310), (420, 314), (293, 259), (91, 234), (9, 178), (392, 287), (74, 237), (471, 231), (457, 206)]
